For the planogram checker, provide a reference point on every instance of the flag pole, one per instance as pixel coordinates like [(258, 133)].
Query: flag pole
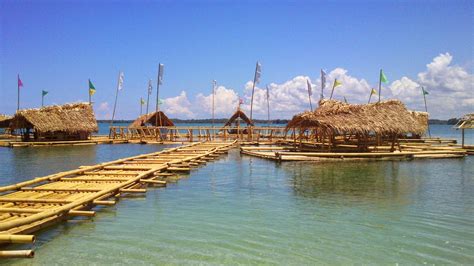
[(18, 85), (309, 97), (253, 90), (323, 84), (158, 97), (332, 91), (380, 84), (42, 99), (213, 95), (141, 106), (116, 97), (370, 96), (426, 109), (148, 97), (90, 96), (268, 106)]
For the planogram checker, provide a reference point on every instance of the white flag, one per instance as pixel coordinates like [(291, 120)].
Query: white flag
[(120, 82), (160, 73), (150, 87), (258, 73), (323, 82), (310, 90)]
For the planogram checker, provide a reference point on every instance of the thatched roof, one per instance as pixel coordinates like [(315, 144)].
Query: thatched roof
[(5, 120), (239, 114), (152, 119), (388, 117), (71, 118), (466, 122)]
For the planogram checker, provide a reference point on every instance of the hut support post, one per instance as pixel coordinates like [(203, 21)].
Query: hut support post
[(462, 138), (394, 138)]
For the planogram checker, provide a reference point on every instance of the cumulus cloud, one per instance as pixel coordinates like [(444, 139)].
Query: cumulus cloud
[(450, 93), (178, 106), (450, 89)]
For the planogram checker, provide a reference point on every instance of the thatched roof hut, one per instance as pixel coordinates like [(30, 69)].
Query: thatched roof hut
[(5, 120), (239, 114), (152, 119), (466, 122), (385, 118), (69, 121)]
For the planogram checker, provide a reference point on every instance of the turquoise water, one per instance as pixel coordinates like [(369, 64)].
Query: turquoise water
[(245, 210)]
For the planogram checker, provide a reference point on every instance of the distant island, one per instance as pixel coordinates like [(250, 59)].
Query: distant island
[(451, 121)]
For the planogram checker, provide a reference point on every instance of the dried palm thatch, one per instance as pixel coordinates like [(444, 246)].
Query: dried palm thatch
[(385, 118), (239, 114), (5, 120), (152, 119), (68, 118), (466, 122)]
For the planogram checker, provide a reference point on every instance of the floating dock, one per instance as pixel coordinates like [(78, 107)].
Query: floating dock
[(29, 206)]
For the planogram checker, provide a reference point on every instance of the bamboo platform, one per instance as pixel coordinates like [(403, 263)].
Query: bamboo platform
[(29, 206), (301, 151), (95, 140)]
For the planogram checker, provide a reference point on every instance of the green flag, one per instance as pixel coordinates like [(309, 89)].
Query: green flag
[(142, 102), (383, 78), (43, 92), (91, 88), (425, 92), (161, 101)]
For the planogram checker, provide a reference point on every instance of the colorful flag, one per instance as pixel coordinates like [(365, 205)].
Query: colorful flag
[(142, 102), (373, 91), (336, 83), (150, 87), (161, 68), (425, 92), (20, 84), (91, 88), (310, 90), (258, 73), (120, 83), (383, 78), (43, 92)]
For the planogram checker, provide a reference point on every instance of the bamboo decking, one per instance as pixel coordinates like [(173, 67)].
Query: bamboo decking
[(32, 205)]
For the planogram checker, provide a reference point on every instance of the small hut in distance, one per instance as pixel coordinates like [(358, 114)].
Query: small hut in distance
[(236, 119), (59, 122), (153, 119)]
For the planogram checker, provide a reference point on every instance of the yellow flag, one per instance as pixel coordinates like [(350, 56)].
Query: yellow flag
[(336, 83), (373, 91), (91, 91)]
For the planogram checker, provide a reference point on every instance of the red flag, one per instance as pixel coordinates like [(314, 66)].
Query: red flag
[(20, 84)]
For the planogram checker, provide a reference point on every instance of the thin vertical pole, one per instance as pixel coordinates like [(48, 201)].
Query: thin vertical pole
[(213, 94), (158, 97), (323, 84), (426, 109), (18, 85), (148, 97), (380, 83), (42, 99), (253, 90), (90, 97), (116, 97), (268, 106), (370, 96), (141, 106), (309, 97)]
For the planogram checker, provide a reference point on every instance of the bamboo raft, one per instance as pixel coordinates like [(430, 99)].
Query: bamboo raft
[(29, 206), (301, 151)]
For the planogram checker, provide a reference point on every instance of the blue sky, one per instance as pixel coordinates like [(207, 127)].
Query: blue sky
[(59, 45)]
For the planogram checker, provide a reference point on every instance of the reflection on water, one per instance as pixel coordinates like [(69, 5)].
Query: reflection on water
[(351, 182), (245, 210)]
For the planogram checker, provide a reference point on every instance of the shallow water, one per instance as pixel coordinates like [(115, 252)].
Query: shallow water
[(245, 210)]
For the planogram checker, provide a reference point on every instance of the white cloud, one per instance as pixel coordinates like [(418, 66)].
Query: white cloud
[(450, 94), (178, 106), (450, 89), (103, 111)]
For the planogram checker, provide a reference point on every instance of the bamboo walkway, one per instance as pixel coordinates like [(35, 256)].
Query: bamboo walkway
[(32, 205)]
